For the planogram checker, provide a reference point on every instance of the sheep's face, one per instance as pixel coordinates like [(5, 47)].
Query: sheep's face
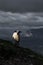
[(18, 32)]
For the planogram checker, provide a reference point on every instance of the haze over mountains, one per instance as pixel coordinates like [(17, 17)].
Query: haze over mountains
[(22, 5)]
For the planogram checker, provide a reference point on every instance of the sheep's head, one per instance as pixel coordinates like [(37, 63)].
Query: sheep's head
[(18, 32)]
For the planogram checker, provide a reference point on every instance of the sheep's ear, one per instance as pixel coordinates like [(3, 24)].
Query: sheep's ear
[(19, 32), (15, 31)]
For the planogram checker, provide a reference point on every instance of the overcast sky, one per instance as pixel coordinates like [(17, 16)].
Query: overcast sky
[(21, 5)]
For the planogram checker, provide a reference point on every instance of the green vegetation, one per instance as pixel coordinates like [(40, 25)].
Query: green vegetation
[(7, 49)]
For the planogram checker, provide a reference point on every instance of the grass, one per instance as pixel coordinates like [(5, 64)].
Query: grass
[(8, 49)]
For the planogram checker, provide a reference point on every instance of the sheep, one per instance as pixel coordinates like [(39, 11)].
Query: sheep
[(16, 37)]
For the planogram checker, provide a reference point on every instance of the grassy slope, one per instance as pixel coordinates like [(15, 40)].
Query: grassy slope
[(7, 49)]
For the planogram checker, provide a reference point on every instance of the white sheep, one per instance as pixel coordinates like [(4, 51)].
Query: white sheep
[(16, 37)]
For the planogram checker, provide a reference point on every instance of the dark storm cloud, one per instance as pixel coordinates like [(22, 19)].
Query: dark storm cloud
[(21, 5)]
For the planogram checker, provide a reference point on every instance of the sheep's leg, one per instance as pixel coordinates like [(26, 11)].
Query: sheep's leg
[(16, 43)]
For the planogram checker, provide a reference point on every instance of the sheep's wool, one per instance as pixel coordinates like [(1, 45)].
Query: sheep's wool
[(15, 36)]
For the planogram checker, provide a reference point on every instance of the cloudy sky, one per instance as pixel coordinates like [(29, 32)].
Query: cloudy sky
[(21, 5), (13, 19), (9, 19)]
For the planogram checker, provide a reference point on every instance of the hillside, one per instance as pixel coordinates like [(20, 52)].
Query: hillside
[(16, 55)]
